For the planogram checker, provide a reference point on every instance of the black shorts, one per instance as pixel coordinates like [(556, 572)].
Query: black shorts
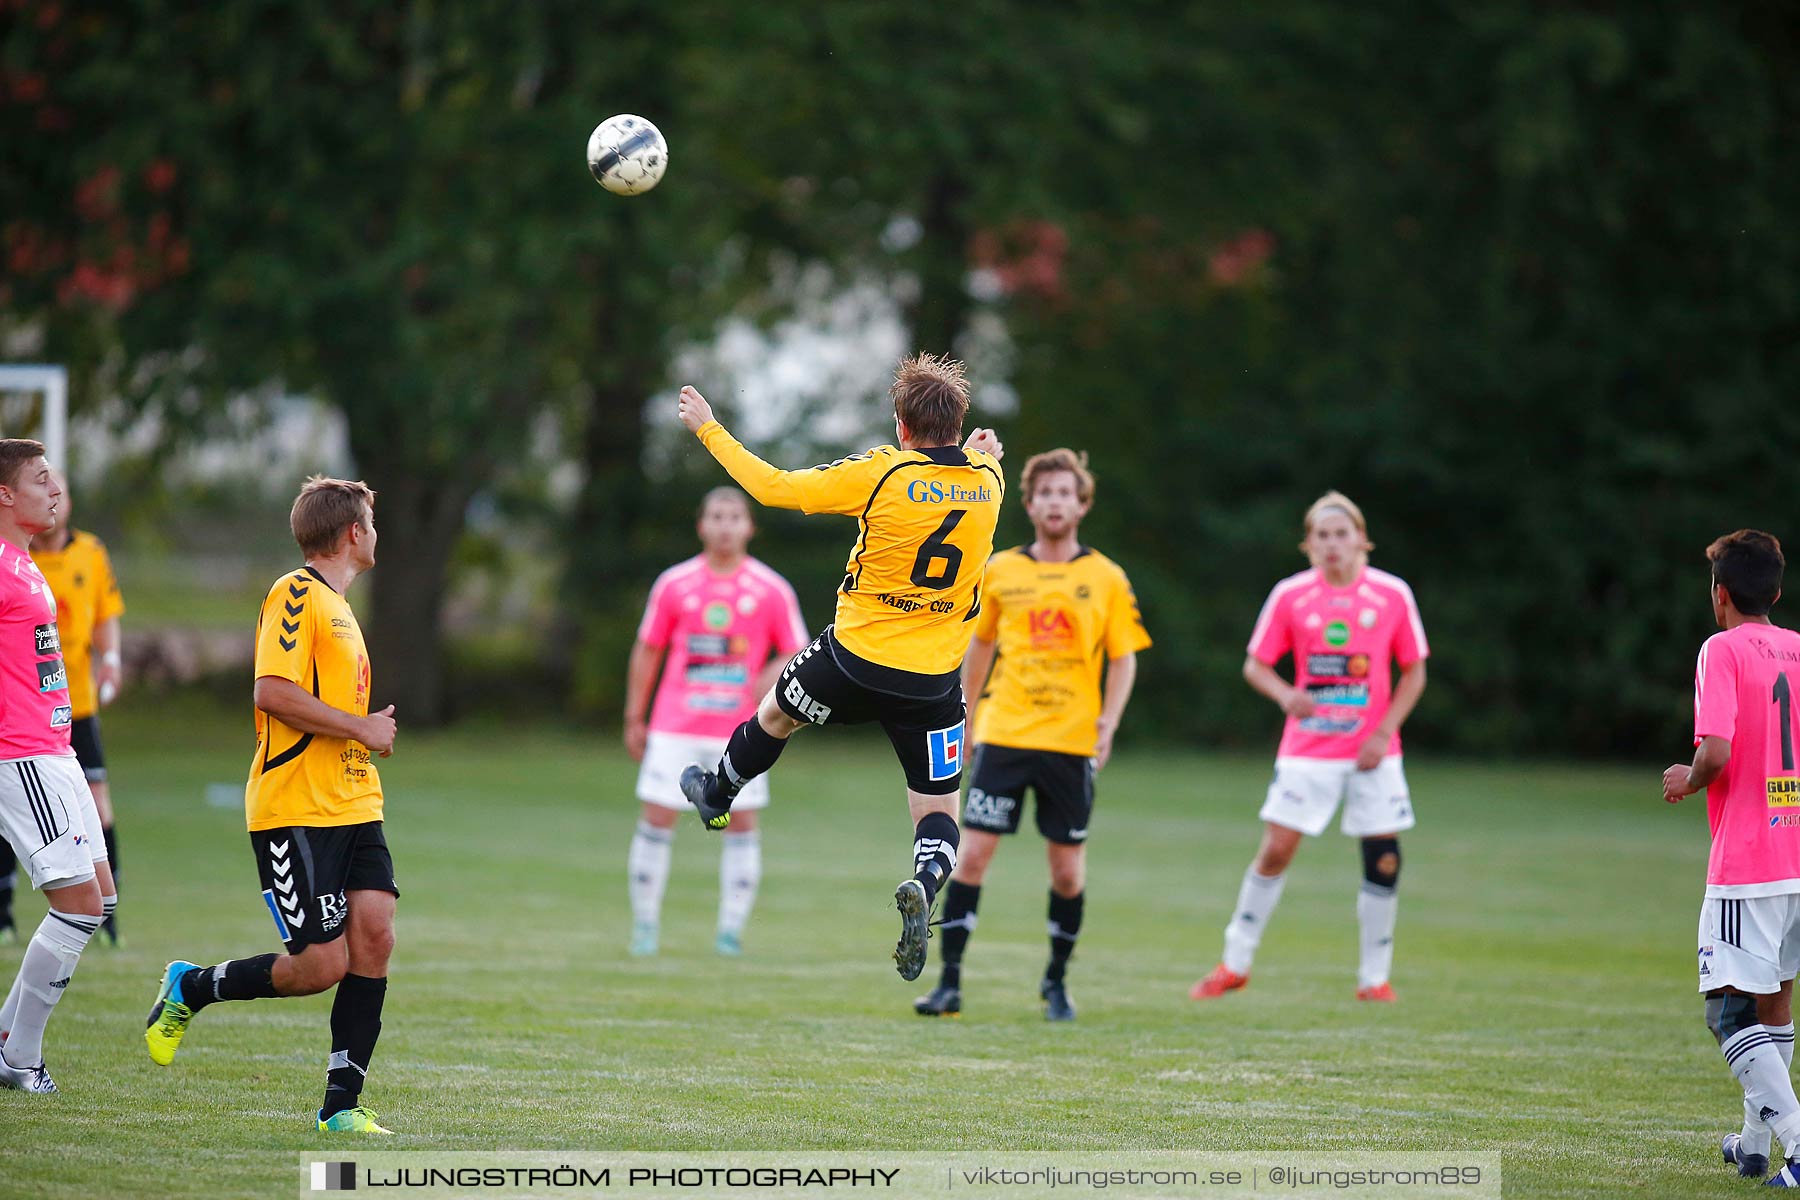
[(922, 715), (1062, 783), (306, 871), (84, 737)]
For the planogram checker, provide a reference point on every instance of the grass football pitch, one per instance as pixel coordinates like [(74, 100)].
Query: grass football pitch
[(1545, 968)]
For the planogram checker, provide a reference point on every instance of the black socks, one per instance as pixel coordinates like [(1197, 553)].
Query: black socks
[(355, 1024), (1065, 923), (934, 851), (751, 751), (960, 901), (234, 979)]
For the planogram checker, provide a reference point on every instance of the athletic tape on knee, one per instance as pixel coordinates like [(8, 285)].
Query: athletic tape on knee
[(1729, 1014), (1373, 851)]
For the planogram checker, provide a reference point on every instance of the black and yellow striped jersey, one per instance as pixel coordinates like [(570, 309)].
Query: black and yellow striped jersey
[(1054, 626), (308, 635), (912, 586)]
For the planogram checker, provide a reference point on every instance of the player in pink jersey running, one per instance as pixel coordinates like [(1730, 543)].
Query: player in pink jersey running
[(1749, 939), (727, 624), (1347, 626), (46, 810)]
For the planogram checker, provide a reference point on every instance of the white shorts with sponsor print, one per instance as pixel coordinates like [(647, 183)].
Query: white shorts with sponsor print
[(1750, 943), (666, 755), (48, 814), (1306, 791)]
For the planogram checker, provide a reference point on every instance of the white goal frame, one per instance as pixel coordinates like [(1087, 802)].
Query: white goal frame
[(53, 382)]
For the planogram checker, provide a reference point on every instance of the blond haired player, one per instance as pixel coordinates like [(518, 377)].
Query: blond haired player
[(88, 607), (925, 512), (46, 810), (1347, 626), (314, 809), (1055, 616)]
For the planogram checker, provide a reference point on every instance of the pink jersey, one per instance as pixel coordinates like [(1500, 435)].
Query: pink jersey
[(1745, 691), (34, 684), (1345, 643), (720, 630)]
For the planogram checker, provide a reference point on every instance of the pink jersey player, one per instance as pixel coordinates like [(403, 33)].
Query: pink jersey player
[(1347, 626), (1744, 692), (34, 685), (719, 631), (1345, 642)]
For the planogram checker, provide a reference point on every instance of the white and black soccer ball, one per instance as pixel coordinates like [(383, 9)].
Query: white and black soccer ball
[(627, 154)]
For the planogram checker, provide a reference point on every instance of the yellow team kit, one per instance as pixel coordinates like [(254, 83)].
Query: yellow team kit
[(912, 586), (81, 578), (308, 635), (1054, 625)]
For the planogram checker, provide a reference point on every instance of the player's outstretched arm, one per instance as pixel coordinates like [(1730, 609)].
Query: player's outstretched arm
[(837, 488), (299, 709)]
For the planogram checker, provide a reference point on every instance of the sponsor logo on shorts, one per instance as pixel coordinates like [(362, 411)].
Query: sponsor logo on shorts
[(1337, 634), (52, 676), (1784, 792), (332, 910), (943, 752), (985, 808), (808, 708), (49, 641)]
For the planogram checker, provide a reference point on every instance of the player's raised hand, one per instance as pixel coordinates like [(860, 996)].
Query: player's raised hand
[(986, 441), (379, 730), (693, 409), (1676, 783)]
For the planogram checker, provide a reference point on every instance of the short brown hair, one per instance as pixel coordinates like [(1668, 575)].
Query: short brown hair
[(931, 397), (325, 508), (14, 454), (1748, 565), (723, 492), (1060, 459), (1330, 500)]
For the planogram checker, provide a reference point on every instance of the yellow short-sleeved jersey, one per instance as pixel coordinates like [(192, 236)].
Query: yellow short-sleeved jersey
[(1054, 625), (912, 586), (87, 596), (308, 635)]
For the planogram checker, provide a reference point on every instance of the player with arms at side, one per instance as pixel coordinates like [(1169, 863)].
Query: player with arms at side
[(926, 512), (1054, 614), (1745, 729), (314, 809), (717, 617), (46, 810), (1347, 625), (88, 608)]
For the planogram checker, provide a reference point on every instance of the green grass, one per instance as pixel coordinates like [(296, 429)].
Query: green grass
[(1544, 965)]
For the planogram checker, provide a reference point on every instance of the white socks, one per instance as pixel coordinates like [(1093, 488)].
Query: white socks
[(740, 871), (1762, 1071), (44, 974), (1757, 1134), (1256, 901), (647, 866), (1376, 908)]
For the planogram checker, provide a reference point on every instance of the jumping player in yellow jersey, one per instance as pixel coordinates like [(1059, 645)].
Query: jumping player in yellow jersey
[(314, 808), (1054, 615), (926, 512)]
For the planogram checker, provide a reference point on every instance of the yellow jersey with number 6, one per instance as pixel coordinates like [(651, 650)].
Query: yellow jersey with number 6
[(926, 518)]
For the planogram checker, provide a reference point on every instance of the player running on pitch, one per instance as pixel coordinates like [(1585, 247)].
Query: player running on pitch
[(313, 805), (46, 810), (1745, 730), (926, 513), (1054, 613), (1347, 625), (717, 616)]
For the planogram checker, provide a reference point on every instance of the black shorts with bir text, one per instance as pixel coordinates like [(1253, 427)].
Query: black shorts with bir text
[(922, 715), (306, 871), (1063, 785)]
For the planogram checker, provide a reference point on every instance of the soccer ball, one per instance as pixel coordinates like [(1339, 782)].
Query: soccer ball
[(627, 154)]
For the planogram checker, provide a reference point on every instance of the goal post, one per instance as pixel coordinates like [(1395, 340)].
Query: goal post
[(34, 403)]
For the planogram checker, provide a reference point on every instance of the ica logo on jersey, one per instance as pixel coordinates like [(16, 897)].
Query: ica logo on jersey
[(921, 491)]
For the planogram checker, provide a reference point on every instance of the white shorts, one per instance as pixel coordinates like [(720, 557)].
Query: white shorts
[(48, 814), (1306, 791), (666, 755), (1751, 944)]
